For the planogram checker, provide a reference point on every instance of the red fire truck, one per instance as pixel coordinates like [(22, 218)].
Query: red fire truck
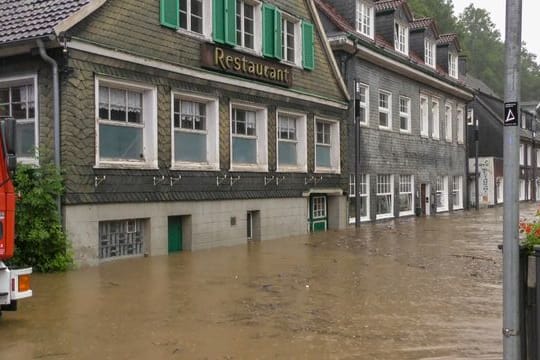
[(14, 282)]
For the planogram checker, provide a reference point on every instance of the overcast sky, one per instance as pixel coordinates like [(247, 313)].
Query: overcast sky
[(497, 9)]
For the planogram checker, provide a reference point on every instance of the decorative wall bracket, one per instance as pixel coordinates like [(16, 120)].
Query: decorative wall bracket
[(277, 179), (221, 180), (234, 180), (174, 179), (159, 180), (99, 180), (313, 180)]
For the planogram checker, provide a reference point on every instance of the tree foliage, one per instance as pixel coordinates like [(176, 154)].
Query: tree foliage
[(482, 44), (41, 242)]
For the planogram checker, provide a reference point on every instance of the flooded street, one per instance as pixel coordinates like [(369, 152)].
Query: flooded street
[(415, 288)]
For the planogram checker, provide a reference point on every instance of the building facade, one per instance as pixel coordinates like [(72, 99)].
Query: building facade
[(180, 125), (486, 131), (410, 106)]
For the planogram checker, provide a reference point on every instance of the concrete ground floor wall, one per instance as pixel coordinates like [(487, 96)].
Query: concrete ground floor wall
[(205, 224)]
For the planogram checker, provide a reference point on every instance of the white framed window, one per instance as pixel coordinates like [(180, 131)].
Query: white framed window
[(385, 110), (521, 189), (404, 114), (470, 116), (249, 138), (401, 38), (453, 65), (406, 195), (430, 51), (196, 17), (292, 142), (385, 196), (457, 192), (362, 96), (248, 25), (424, 116), (435, 118), (522, 154), (364, 18), (448, 122), (363, 191), (441, 193), (19, 100), (126, 124), (291, 40), (538, 159), (195, 132), (327, 157), (460, 124), (529, 155)]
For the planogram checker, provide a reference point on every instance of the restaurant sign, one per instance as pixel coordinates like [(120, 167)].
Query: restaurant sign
[(237, 63)]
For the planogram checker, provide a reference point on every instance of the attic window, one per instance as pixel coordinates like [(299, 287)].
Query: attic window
[(453, 65), (401, 38), (429, 52), (364, 18)]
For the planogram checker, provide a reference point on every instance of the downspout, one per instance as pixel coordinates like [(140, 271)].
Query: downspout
[(56, 112)]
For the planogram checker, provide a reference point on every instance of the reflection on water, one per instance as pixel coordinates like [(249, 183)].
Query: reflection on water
[(411, 289)]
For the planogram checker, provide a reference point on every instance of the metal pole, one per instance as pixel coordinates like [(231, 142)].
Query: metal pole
[(511, 326), (476, 171), (356, 123)]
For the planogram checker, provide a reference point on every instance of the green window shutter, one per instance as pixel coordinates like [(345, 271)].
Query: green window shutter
[(277, 35), (169, 13), (230, 22), (224, 21), (271, 31), (218, 21), (308, 51), (268, 12)]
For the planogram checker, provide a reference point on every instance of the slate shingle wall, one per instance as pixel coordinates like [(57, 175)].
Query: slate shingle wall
[(78, 140), (395, 153), (133, 26)]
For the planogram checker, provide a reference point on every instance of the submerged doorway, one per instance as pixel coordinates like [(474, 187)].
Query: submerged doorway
[(175, 234), (318, 213)]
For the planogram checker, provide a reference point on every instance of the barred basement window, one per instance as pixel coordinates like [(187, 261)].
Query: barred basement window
[(121, 238)]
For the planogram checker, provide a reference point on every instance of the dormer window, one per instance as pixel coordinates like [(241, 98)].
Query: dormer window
[(364, 18), (453, 65), (429, 52), (401, 38)]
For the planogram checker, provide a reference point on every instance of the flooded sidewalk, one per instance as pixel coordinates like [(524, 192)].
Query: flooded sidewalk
[(415, 288)]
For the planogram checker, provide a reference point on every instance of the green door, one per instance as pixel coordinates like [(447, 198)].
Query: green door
[(175, 234), (318, 213)]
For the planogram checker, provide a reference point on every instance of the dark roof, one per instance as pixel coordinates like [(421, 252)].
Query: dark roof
[(334, 16), (480, 86), (383, 5), (425, 23), (27, 19), (447, 39)]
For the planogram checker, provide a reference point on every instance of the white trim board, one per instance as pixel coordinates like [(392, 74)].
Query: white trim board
[(98, 50)]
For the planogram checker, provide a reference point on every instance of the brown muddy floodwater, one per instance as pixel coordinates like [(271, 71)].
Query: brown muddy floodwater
[(409, 289)]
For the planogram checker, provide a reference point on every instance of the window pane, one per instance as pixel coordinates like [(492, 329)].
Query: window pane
[(118, 105), (384, 204), (18, 111), (4, 110), (323, 156), (4, 96), (244, 150), (18, 94), (287, 153), (189, 146), (25, 140), (134, 107), (404, 124), (405, 202), (119, 142), (383, 119)]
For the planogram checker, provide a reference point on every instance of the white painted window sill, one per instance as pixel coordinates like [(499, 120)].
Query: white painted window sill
[(384, 216)]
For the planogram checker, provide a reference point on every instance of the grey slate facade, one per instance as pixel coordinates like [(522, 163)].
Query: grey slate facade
[(119, 207), (414, 155)]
